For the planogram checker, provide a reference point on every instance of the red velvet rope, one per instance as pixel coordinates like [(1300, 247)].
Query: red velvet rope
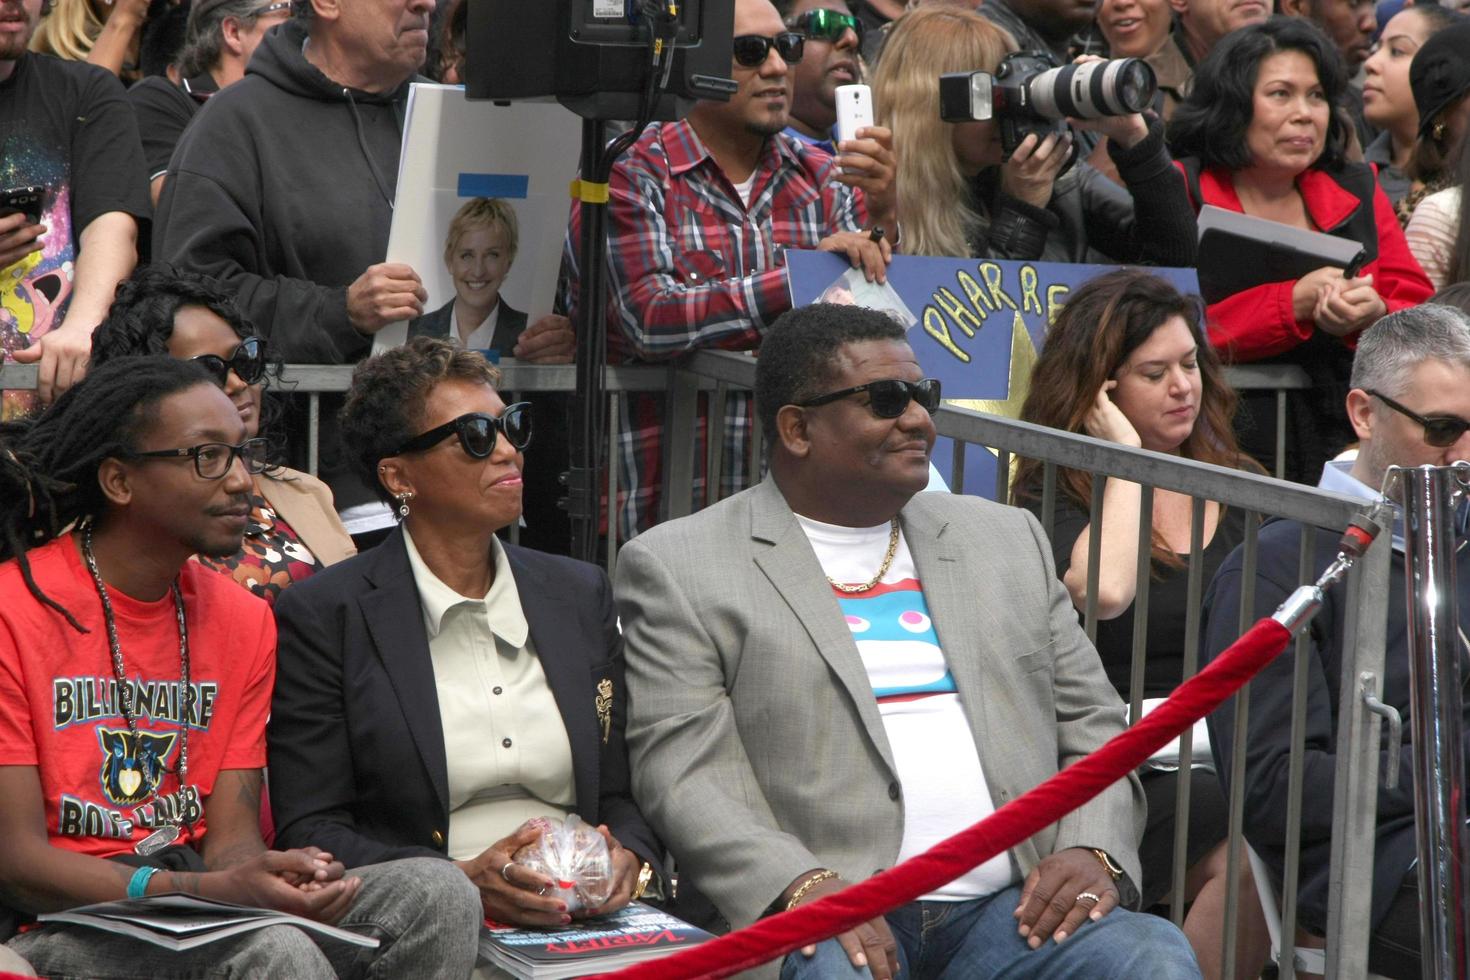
[(1017, 820)]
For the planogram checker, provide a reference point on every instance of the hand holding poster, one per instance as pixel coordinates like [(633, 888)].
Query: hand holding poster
[(481, 213), (978, 327)]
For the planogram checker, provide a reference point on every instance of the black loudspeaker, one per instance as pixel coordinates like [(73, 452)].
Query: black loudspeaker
[(592, 56)]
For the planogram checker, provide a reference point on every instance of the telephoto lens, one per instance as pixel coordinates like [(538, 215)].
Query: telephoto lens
[(1097, 88)]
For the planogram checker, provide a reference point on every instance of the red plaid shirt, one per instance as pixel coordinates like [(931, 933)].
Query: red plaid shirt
[(689, 267)]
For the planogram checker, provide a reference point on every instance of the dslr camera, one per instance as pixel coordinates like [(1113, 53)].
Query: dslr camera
[(1031, 93)]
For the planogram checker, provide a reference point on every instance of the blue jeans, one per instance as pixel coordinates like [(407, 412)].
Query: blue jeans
[(978, 939)]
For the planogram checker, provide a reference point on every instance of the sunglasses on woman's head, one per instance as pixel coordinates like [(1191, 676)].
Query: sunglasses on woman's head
[(751, 50), (246, 360), (826, 25), (887, 399), (477, 432)]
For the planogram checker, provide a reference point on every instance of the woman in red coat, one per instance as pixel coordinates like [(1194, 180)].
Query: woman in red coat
[(1260, 134)]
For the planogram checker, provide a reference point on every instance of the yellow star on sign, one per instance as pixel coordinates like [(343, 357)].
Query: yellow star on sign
[(1018, 383)]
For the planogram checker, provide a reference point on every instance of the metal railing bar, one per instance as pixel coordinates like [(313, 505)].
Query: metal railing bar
[(1280, 471), (957, 468), (1296, 774), (1243, 377), (1048, 497), (1140, 603), (313, 432), (1230, 487), (1194, 589), (1233, 854), (714, 442), (1094, 556), (1002, 475), (1355, 782)]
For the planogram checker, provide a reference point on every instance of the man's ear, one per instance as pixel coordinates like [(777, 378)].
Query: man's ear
[(229, 30), (791, 431), (116, 481), (1180, 7), (1295, 8), (394, 477), (1360, 412), (327, 9)]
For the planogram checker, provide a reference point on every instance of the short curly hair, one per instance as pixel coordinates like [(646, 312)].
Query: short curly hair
[(1211, 123), (385, 404), (798, 357)]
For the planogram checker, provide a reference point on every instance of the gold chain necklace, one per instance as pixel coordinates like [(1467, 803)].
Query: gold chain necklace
[(882, 570)]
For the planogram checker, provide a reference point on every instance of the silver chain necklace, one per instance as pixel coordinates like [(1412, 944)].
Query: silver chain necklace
[(166, 835)]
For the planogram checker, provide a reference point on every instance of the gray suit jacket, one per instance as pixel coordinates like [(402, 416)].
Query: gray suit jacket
[(757, 748)]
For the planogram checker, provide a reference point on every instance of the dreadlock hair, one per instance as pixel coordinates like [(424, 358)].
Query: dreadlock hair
[(49, 463)]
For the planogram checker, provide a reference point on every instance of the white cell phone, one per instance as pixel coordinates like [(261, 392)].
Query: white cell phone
[(854, 110)]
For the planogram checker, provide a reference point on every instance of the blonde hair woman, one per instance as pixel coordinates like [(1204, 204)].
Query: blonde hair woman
[(962, 197), (104, 34)]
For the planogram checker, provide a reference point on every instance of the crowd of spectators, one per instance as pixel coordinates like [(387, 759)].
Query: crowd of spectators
[(211, 186)]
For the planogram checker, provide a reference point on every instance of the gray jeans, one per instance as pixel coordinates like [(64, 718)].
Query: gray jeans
[(424, 912)]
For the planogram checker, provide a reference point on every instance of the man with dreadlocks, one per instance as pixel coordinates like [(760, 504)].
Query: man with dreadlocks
[(136, 685)]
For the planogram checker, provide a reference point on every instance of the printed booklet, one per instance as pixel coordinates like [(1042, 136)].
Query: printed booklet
[(633, 935), (177, 921)]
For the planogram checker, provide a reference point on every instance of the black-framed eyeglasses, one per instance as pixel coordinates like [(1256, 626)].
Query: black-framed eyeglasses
[(826, 25), (477, 432), (247, 361), (1440, 431), (751, 50), (212, 460), (887, 399)]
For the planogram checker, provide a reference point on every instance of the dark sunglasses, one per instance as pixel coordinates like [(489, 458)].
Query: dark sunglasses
[(887, 399), (826, 25), (751, 50), (477, 432), (212, 460), (246, 360), (1440, 431)]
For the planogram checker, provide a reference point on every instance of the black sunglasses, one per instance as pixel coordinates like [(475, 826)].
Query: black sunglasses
[(246, 360), (826, 25), (212, 460), (887, 399), (1440, 431), (751, 50), (477, 432)]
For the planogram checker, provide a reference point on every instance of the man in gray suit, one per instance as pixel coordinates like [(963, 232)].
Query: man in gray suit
[(831, 672)]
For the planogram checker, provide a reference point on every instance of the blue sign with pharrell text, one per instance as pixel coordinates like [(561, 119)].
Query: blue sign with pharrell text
[(978, 325)]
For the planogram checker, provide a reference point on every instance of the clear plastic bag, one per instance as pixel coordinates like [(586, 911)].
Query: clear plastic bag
[(575, 856)]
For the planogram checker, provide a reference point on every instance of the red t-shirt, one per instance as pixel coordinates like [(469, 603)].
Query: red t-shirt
[(104, 790)]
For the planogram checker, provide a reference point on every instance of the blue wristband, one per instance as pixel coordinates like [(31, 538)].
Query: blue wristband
[(138, 883)]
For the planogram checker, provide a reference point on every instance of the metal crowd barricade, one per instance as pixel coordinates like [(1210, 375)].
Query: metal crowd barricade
[(1358, 736), (1354, 806)]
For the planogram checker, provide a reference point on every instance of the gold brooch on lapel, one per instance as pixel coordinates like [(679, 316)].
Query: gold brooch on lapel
[(604, 708)]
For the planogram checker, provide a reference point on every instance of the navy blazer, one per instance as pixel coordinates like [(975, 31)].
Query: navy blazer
[(509, 325), (356, 747)]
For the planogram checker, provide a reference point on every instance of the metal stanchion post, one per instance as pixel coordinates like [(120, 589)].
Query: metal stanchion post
[(1436, 715)]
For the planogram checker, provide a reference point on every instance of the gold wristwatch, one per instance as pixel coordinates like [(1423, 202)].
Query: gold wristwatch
[(645, 875), (1114, 869)]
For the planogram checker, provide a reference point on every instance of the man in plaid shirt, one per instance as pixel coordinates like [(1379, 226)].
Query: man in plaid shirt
[(699, 215)]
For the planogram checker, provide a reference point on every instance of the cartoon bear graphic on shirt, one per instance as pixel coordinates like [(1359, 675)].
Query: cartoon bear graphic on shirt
[(133, 764)]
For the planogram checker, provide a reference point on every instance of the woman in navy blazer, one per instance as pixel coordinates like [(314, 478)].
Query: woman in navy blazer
[(358, 764)]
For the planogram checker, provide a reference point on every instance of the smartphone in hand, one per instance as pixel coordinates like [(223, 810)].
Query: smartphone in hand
[(854, 111), (23, 200)]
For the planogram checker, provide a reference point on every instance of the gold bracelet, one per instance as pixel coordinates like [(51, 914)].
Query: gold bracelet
[(1114, 869), (807, 886)]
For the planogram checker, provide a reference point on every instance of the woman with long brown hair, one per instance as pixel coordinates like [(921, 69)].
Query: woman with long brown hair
[(1127, 361)]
